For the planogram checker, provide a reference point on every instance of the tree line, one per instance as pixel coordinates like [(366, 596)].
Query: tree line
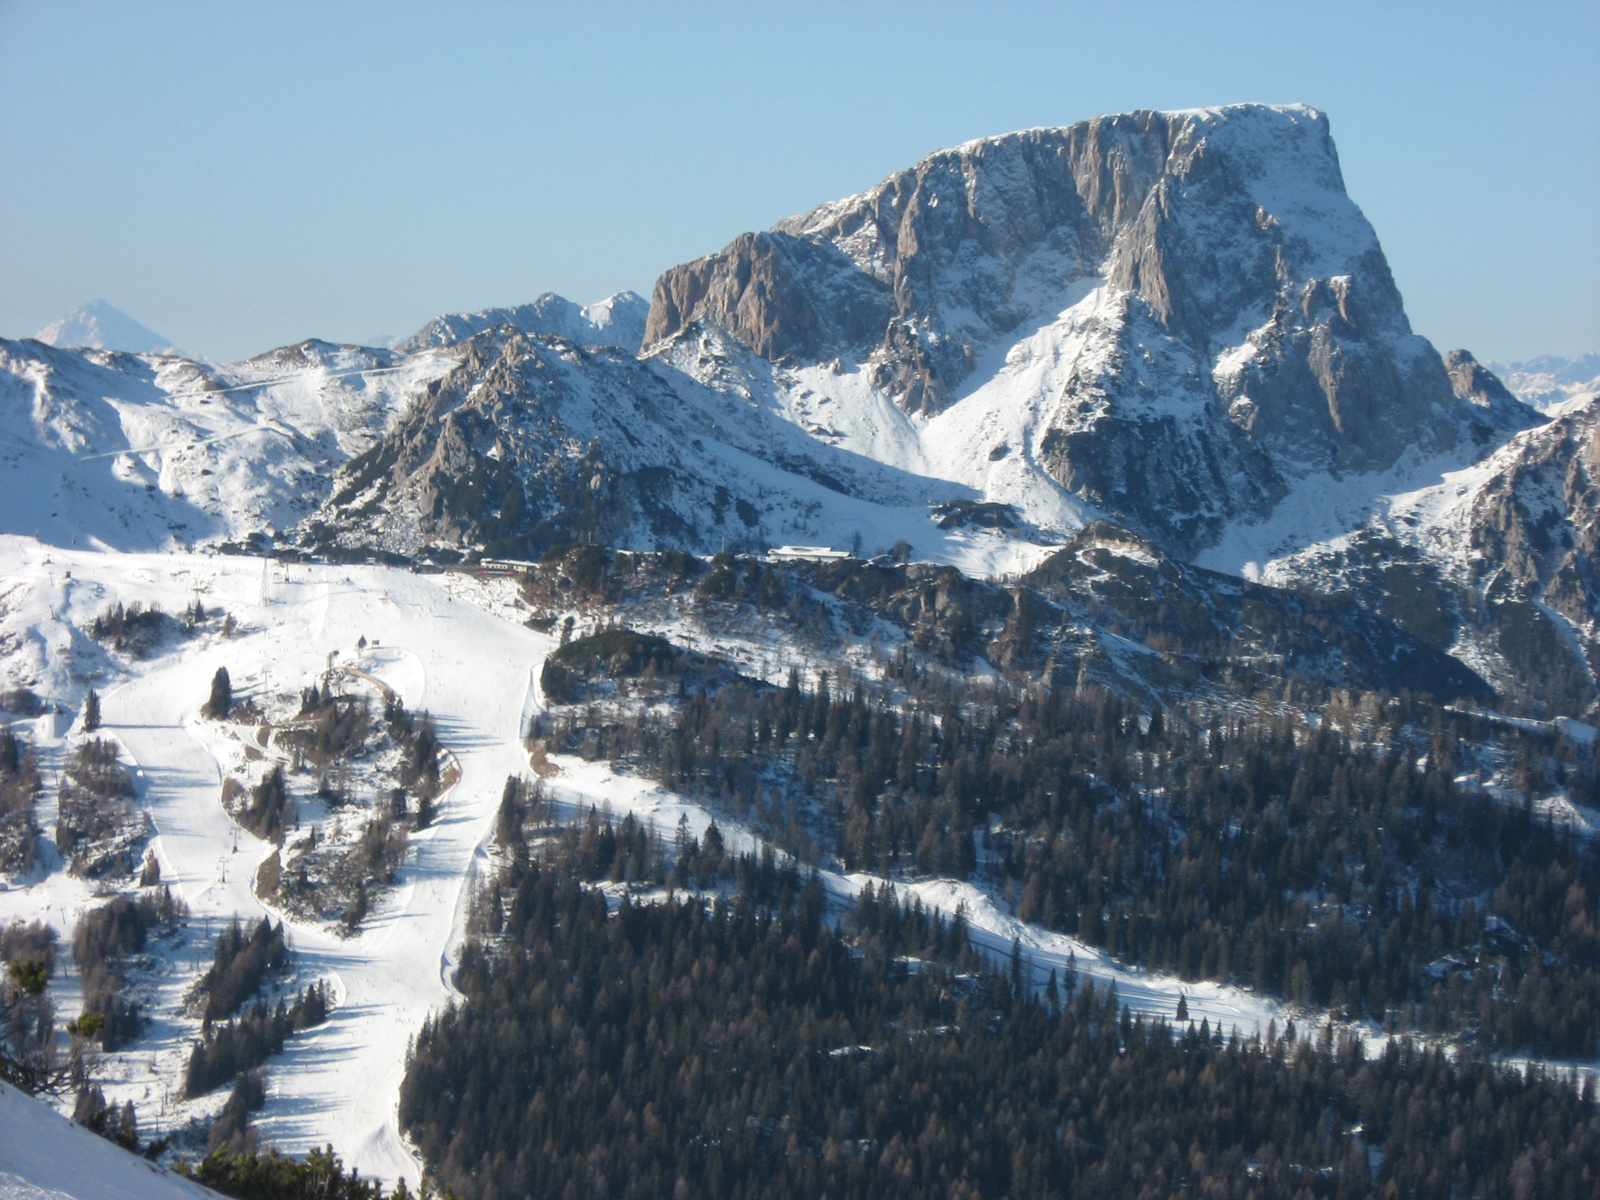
[(98, 829), (19, 790), (103, 939), (223, 1051), (241, 961)]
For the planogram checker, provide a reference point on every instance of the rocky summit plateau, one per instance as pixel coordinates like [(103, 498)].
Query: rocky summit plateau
[(1028, 680)]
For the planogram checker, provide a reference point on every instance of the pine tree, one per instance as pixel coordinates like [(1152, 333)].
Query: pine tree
[(91, 711), (221, 698), (356, 911), (508, 821)]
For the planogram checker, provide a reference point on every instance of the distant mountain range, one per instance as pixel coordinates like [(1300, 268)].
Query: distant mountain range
[(1549, 380)]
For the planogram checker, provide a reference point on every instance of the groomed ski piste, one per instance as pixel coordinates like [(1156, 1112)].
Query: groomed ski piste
[(451, 644)]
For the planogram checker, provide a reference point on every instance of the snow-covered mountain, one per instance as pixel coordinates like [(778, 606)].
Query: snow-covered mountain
[(1496, 564), (143, 451), (1549, 381), (615, 321), (1178, 322), (98, 326), (1173, 317), (1173, 320), (1170, 319), (533, 441)]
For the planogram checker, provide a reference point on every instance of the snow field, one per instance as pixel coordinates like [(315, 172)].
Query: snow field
[(44, 1156), (115, 451)]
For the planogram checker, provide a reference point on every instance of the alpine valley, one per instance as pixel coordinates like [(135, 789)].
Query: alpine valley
[(1027, 680)]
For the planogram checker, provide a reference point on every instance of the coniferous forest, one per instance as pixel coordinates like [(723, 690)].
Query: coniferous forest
[(749, 1047), (1342, 868)]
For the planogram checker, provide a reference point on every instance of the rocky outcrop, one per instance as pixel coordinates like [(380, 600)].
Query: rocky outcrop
[(1207, 625), (1474, 382), (784, 297), (1507, 576), (531, 441), (1535, 538), (1480, 387), (1246, 330), (525, 443)]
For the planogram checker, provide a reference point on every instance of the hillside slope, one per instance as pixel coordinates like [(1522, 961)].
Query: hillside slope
[(1498, 565), (145, 451), (44, 1156)]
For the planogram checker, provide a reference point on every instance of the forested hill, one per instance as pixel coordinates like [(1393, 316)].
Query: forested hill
[(748, 1048), (1230, 818)]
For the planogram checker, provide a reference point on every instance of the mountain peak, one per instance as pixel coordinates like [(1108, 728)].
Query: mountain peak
[(1198, 212), (618, 320), (98, 326)]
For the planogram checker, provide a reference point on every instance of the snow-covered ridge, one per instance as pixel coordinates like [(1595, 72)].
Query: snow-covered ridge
[(44, 1156), (615, 321), (143, 451), (1493, 558), (1217, 316), (662, 459)]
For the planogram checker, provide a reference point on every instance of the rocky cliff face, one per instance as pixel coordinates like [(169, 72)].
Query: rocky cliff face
[(1501, 566), (1245, 329)]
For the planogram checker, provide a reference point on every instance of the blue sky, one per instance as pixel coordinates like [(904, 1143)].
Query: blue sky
[(239, 176)]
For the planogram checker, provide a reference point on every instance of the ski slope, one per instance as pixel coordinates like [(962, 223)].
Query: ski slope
[(470, 668)]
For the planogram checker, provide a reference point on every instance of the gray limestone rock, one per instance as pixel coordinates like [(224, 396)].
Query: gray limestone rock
[(1252, 333)]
